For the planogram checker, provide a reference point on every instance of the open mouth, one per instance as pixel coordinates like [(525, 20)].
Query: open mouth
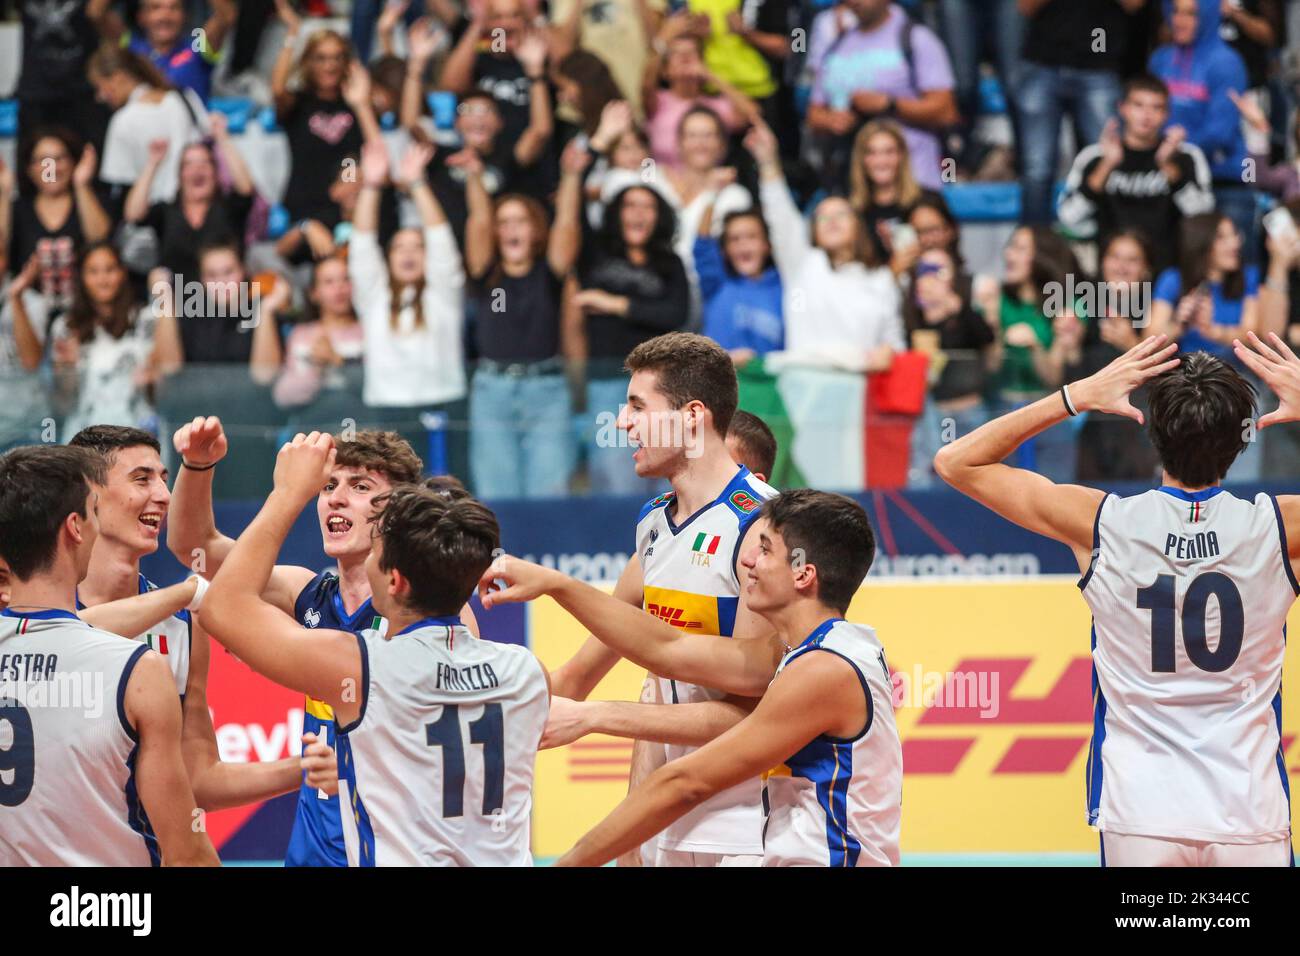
[(152, 521), (337, 526)]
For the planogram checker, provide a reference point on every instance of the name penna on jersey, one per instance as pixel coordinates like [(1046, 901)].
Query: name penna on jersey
[(1192, 547), (472, 677)]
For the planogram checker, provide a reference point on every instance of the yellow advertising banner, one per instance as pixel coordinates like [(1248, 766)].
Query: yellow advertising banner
[(992, 683)]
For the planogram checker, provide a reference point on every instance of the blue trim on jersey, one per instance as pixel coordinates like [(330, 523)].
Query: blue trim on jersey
[(1286, 551), (841, 845), (1102, 840), (1281, 758), (135, 815), (450, 621), (365, 689), (365, 832), (1092, 786), (662, 501), (131, 661), (48, 615), (1205, 494), (1096, 544), (145, 586), (727, 608), (866, 692), (733, 485), (746, 522)]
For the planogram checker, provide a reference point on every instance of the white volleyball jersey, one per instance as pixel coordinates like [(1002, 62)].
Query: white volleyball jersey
[(67, 753), (838, 801), (170, 637), (438, 768), (1189, 594), (689, 575)]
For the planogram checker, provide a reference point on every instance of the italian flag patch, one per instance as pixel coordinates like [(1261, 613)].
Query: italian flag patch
[(157, 642), (706, 543), (1196, 511)]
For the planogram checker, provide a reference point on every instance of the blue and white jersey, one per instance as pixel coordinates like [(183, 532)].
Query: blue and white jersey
[(688, 573), (317, 837), (838, 801), (68, 791), (1189, 594), (170, 637), (438, 768)]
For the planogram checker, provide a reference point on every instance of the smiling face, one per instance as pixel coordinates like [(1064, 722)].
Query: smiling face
[(638, 215), (769, 578), (344, 508), (221, 273), (50, 168), (881, 159), (1225, 254), (406, 256), (133, 502), (161, 21), (1124, 262), (630, 151), (516, 234), (683, 63), (835, 226), (331, 289), (478, 121), (701, 143), (102, 275), (198, 173), (326, 64), (745, 245), (655, 430)]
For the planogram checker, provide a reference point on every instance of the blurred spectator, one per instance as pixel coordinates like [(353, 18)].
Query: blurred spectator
[(1112, 447), (202, 212), (616, 33), (883, 191), (146, 108), (319, 349), (680, 52), (53, 89), (521, 426), (366, 15), (1201, 71), (883, 66), (24, 405), (584, 86), (1281, 179), (935, 227), (1139, 176), (488, 57), (841, 306), (57, 214), (1071, 60), (411, 306), (619, 146), (942, 322), (766, 26), (751, 443), (1279, 313), (185, 59), (739, 284), (633, 287), (1254, 29)]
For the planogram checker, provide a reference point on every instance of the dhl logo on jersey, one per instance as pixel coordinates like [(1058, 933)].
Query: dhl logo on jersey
[(694, 612)]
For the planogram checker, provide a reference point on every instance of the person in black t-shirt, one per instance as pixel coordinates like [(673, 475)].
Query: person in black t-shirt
[(202, 212), (58, 39), (520, 415), (1142, 176)]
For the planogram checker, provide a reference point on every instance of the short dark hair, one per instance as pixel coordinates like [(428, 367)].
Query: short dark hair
[(40, 485), (1145, 83), (1198, 418), (108, 440), (756, 441), (441, 547), (383, 451), (691, 368), (447, 486), (832, 533)]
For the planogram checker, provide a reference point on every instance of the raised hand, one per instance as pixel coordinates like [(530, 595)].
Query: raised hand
[(391, 13), (320, 239), (1108, 391), (413, 161), (615, 119), (356, 88), (523, 581), (201, 442), (157, 150), (219, 124), (1250, 111), (422, 40), (1280, 370), (1112, 146), (83, 174), (761, 143), (374, 164), (720, 177), (303, 465), (1175, 136), (575, 159), (288, 16), (531, 53)]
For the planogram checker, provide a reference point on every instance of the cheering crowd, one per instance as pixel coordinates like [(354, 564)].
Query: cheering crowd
[(488, 206)]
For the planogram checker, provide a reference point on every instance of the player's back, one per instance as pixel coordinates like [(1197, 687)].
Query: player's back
[(438, 769), (67, 789), (1189, 593)]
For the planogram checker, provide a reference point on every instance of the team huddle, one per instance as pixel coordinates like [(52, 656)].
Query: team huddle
[(751, 748)]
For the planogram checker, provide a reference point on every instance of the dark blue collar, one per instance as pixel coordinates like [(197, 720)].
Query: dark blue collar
[(1203, 495), (733, 485), (820, 631), (452, 621), (47, 615)]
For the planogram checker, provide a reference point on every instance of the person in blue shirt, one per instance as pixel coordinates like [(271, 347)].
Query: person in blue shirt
[(740, 288), (185, 57)]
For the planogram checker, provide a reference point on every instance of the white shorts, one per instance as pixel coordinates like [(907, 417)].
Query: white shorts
[(684, 858), (1122, 849)]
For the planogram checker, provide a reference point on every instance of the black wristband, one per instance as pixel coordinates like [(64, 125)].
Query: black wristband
[(1069, 405), (186, 464)]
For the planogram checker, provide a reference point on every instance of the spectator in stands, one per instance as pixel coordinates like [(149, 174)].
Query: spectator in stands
[(56, 216), (841, 306), (367, 16), (678, 58), (632, 288), (1254, 29), (1112, 447), (24, 403), (883, 191), (1030, 361), (103, 348), (942, 322), (614, 33), (768, 27), (935, 227), (53, 88), (584, 86), (1140, 175), (320, 119), (223, 319), (521, 420), (1071, 61), (202, 212), (311, 240), (411, 306), (1200, 71), (739, 285), (619, 147), (1279, 313), (884, 67), (185, 60), (319, 350), (751, 443), (146, 107), (730, 54)]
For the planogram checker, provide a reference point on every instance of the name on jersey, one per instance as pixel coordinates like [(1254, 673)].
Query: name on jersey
[(28, 667), (473, 677), (1191, 547)]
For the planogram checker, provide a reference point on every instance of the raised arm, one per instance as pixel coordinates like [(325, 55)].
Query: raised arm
[(789, 233), (280, 92), (356, 93), (480, 241), (541, 121), (458, 71), (421, 39), (240, 178), (222, 21), (973, 463), (31, 348), (94, 221), (565, 238), (687, 724), (136, 206), (134, 615), (411, 177)]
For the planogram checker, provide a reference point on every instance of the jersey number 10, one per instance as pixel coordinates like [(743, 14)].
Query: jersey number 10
[(488, 731), (1159, 599)]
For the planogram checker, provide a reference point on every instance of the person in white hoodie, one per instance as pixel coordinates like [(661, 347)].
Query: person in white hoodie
[(410, 302)]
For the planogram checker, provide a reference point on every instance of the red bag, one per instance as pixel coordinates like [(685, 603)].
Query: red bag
[(900, 389)]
